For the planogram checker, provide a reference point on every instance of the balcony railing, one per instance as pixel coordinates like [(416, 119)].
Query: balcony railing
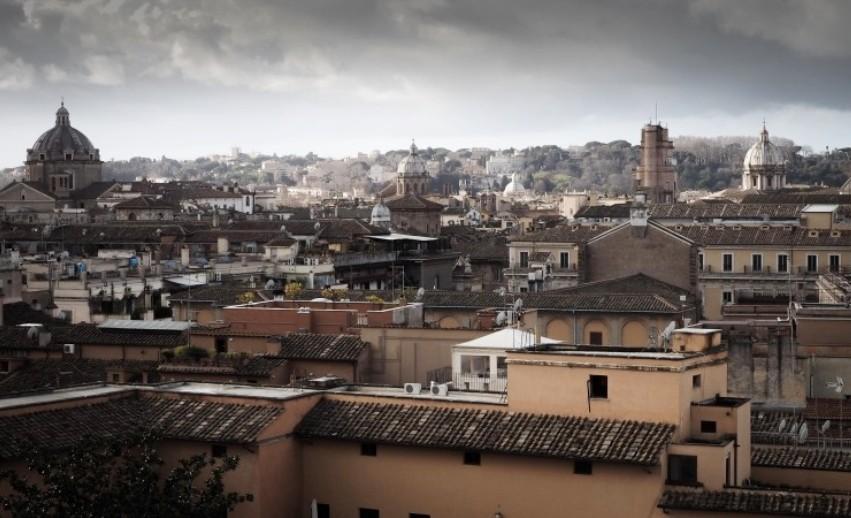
[(354, 259), (481, 381), (768, 270)]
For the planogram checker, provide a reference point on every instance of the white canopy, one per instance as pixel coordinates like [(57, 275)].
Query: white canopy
[(508, 338)]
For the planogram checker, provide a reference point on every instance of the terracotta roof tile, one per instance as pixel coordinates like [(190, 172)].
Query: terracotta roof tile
[(802, 458), (762, 502), (496, 431), (308, 346)]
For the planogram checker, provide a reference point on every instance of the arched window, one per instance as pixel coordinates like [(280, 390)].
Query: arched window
[(131, 216)]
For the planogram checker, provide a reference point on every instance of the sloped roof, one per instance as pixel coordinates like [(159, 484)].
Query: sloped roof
[(755, 235), (128, 233), (174, 418), (309, 346), (93, 191), (412, 202), (564, 233), (758, 501), (145, 203), (253, 366), (32, 185), (92, 334), (513, 433), (802, 458), (219, 294), (37, 375)]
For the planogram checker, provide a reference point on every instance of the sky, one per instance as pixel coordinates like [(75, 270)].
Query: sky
[(186, 78)]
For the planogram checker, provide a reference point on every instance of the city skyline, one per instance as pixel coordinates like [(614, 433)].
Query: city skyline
[(342, 77)]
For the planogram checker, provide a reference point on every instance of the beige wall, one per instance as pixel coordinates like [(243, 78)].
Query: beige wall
[(402, 355), (822, 479), (399, 481)]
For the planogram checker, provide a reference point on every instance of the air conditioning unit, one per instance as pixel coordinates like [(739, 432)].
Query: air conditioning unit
[(413, 388), (440, 389), (68, 348)]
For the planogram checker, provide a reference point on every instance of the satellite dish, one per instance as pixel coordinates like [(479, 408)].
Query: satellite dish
[(793, 428), (317, 226), (270, 284), (803, 433), (501, 292), (761, 415), (782, 425), (501, 318), (518, 305), (420, 293), (825, 426)]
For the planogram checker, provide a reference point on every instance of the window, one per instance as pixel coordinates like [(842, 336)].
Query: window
[(834, 263), (524, 259), (472, 458), (323, 511), (582, 467), (728, 262), (564, 260), (696, 381), (595, 338), (419, 515), (682, 469), (700, 262), (727, 297), (708, 427), (756, 262), (67, 156), (221, 344), (369, 449), (116, 377), (782, 263), (219, 450), (368, 513), (812, 263), (4, 365), (598, 387)]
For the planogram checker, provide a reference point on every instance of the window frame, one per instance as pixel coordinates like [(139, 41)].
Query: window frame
[(583, 467), (564, 260), (675, 460), (708, 426), (696, 381), (700, 262), (724, 257), (724, 297), (472, 458), (754, 262), (524, 259), (218, 451), (830, 264), (592, 334), (368, 449), (785, 268), (368, 512), (814, 269)]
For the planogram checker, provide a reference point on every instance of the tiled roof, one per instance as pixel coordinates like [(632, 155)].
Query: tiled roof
[(234, 236), (513, 433), (17, 338), (348, 229), (145, 202), (760, 502), (412, 202), (91, 334), (704, 211), (50, 374), (254, 366), (308, 346), (184, 419), (620, 210), (802, 458), (22, 313), (755, 235), (798, 198), (130, 233), (565, 233)]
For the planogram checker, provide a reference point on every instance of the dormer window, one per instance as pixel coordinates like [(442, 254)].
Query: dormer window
[(41, 156)]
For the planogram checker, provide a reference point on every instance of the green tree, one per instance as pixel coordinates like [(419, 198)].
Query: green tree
[(119, 477)]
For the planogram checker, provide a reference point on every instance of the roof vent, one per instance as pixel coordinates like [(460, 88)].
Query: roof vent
[(764, 227), (835, 233), (787, 228), (737, 227), (678, 228), (812, 233)]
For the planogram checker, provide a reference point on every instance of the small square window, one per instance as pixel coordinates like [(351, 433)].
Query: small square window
[(598, 387), (582, 467), (727, 297), (595, 338), (696, 381), (4, 365), (116, 377), (708, 427), (682, 469), (323, 511), (472, 458), (219, 450), (418, 515), (368, 513), (369, 449)]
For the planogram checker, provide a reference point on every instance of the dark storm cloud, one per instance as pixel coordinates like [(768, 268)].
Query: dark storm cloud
[(536, 63)]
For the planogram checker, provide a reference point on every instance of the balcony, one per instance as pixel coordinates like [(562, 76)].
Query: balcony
[(481, 381), (767, 270), (357, 259)]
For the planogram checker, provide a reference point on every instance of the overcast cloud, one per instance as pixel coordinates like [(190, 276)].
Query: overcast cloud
[(184, 78)]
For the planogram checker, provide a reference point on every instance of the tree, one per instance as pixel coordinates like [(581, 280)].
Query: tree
[(293, 290), (118, 477)]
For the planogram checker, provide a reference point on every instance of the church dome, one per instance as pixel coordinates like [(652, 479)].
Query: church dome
[(412, 164), (514, 187), (764, 154), (62, 140), (380, 214)]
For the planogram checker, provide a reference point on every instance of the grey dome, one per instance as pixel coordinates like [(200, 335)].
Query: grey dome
[(764, 154), (380, 214), (61, 140), (412, 164)]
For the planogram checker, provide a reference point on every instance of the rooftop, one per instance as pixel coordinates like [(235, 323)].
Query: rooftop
[(758, 501), (512, 433)]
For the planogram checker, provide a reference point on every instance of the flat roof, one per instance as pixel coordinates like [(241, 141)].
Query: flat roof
[(145, 325), (54, 396), (457, 396), (697, 330), (608, 351), (393, 236), (820, 207), (231, 390)]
